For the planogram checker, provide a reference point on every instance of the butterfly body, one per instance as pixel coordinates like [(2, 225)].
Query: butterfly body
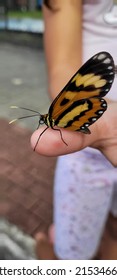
[(80, 103), (45, 119)]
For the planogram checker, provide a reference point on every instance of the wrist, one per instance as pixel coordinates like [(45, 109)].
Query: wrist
[(59, 77)]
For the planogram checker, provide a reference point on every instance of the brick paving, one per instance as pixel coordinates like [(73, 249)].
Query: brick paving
[(26, 180)]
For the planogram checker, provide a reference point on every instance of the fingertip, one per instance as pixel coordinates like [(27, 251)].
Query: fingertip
[(47, 144), (51, 144), (36, 141), (33, 140)]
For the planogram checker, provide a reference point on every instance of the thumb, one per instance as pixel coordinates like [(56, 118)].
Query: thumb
[(51, 143)]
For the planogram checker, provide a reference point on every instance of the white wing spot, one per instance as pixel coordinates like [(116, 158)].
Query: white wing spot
[(111, 73), (86, 124), (101, 56), (100, 112), (95, 57), (110, 67), (104, 105), (107, 60), (93, 119)]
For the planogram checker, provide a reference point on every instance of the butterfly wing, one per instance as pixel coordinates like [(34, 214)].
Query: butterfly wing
[(80, 103), (82, 114)]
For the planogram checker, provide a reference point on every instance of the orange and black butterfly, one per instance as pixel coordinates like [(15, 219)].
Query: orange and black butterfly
[(80, 103)]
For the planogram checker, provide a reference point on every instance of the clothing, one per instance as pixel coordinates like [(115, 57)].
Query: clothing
[(83, 197), (98, 35), (85, 181)]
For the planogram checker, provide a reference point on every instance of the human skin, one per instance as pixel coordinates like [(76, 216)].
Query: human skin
[(103, 137)]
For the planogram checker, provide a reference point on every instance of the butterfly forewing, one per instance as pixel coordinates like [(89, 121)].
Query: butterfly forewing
[(80, 102)]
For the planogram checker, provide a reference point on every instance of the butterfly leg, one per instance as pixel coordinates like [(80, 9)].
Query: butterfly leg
[(44, 131), (40, 137), (38, 125), (60, 135)]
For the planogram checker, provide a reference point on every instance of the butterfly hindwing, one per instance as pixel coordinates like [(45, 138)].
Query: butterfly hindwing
[(81, 116), (80, 102)]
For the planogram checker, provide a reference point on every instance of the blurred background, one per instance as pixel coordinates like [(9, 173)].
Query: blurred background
[(26, 179)]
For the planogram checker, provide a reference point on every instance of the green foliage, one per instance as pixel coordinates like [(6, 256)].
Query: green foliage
[(25, 14)]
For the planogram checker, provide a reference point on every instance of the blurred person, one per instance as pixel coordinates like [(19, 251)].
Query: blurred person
[(85, 179), (39, 4)]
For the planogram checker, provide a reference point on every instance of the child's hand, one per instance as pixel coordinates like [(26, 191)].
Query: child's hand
[(103, 137)]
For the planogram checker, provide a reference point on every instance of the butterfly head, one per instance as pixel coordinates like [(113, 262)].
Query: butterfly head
[(42, 119)]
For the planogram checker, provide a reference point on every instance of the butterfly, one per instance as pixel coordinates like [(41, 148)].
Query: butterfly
[(80, 103)]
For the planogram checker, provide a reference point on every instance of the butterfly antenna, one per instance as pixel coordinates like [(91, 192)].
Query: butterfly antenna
[(16, 107), (29, 116)]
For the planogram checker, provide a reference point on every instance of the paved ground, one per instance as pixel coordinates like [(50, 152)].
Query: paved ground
[(26, 179), (22, 82)]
